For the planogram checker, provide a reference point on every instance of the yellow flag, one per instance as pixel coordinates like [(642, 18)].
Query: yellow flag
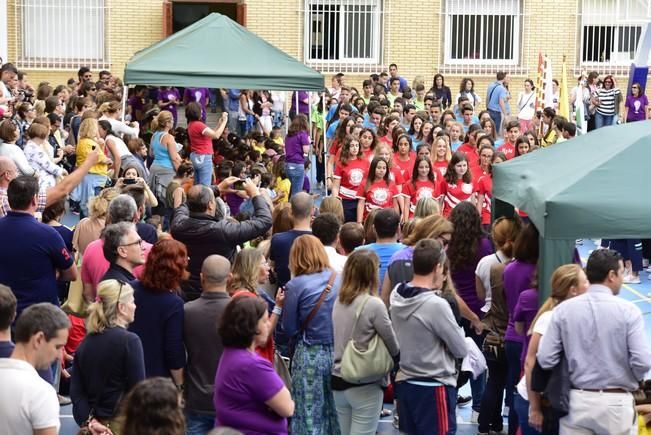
[(563, 96)]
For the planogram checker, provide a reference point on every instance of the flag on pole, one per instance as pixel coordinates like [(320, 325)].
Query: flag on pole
[(539, 83), (579, 107), (563, 97), (549, 86)]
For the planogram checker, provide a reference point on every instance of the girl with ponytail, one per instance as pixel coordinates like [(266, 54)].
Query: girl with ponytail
[(109, 361)]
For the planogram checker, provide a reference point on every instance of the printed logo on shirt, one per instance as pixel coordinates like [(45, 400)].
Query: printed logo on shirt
[(424, 192), (466, 188), (356, 176), (65, 254), (380, 196), (197, 96)]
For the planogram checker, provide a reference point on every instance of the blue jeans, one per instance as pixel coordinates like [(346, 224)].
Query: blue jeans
[(603, 120), (202, 168), (513, 350), (496, 116), (296, 175), (476, 385), (198, 424), (522, 409)]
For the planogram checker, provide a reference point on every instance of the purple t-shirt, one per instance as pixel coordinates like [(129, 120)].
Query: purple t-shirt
[(303, 107), (636, 108), (525, 311), (166, 95), (199, 95), (517, 278), (294, 147), (244, 381), (464, 278)]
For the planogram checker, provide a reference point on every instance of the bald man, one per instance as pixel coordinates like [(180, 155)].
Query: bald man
[(203, 344), (46, 197), (205, 232)]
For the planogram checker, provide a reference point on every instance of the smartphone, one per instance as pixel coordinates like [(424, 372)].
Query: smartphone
[(129, 181), (238, 185)]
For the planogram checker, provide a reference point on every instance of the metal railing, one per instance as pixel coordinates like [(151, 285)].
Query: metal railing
[(482, 36), (343, 35), (62, 34), (609, 32)]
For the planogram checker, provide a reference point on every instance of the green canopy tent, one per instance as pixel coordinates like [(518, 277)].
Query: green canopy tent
[(216, 52), (589, 187)]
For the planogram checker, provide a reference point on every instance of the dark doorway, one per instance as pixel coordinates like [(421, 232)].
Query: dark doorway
[(181, 14)]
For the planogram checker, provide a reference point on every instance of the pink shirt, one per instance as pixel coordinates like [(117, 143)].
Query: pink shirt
[(94, 265)]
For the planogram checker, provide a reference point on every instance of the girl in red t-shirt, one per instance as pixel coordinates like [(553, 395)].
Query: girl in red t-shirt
[(350, 172), (343, 130), (368, 142), (378, 191), (442, 155), (458, 185), (486, 152), (470, 147), (403, 156), (424, 183), (385, 133), (484, 189)]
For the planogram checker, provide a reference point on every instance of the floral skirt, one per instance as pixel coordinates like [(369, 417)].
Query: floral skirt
[(315, 412)]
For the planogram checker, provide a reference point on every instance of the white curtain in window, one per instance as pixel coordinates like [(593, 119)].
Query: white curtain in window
[(482, 7)]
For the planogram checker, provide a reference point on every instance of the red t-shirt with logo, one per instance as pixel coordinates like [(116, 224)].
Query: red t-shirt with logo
[(352, 176), (453, 194), (484, 186), (421, 189), (406, 167), (508, 149), (441, 166), (378, 195)]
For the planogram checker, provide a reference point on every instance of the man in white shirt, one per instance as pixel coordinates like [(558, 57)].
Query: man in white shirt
[(325, 227), (28, 404)]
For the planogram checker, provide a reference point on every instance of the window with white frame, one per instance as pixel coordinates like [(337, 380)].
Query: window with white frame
[(611, 30), (482, 31), (343, 31), (61, 33)]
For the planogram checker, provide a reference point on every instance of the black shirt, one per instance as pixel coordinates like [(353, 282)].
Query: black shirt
[(118, 272), (147, 232)]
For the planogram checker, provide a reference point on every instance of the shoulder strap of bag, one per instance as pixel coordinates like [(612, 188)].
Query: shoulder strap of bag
[(322, 297), (359, 313), (497, 84)]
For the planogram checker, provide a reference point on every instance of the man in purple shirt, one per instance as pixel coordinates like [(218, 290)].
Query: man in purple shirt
[(199, 95)]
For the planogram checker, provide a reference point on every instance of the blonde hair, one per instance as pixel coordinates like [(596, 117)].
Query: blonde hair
[(161, 120), (307, 255), (103, 313), (448, 150), (98, 205), (245, 270), (39, 107), (360, 275), (563, 279), (429, 227), (331, 204), (89, 129), (427, 207), (109, 107)]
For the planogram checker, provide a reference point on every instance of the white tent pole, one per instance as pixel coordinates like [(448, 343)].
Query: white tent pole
[(309, 133), (125, 94), (285, 112)]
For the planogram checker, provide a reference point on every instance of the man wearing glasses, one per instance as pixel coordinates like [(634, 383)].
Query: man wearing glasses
[(124, 251)]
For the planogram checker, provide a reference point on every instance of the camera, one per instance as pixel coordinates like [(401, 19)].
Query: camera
[(25, 95)]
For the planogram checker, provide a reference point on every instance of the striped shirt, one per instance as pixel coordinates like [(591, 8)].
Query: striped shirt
[(4, 201), (607, 98)]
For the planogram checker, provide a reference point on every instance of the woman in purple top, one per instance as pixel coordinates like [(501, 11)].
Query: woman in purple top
[(303, 103), (518, 277), (198, 95), (523, 315), (168, 99), (635, 108), (297, 146), (249, 395), (467, 246)]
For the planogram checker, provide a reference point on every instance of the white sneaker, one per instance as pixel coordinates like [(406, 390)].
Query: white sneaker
[(474, 417), (630, 279), (505, 411)]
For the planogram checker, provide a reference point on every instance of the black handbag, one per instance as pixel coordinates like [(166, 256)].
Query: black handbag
[(553, 385)]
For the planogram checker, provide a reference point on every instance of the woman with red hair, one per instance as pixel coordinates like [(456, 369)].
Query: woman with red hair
[(159, 310)]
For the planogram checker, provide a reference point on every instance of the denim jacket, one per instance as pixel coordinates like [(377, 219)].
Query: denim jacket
[(301, 295)]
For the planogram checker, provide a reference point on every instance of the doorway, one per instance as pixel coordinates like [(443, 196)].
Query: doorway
[(183, 13)]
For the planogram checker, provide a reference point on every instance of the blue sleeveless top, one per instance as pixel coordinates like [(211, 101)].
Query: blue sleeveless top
[(161, 154)]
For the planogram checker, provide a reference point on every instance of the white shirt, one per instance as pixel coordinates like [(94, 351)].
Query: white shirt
[(337, 261), (27, 402), (540, 327), (483, 272), (279, 101)]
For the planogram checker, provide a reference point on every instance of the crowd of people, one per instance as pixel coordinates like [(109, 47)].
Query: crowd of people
[(208, 288)]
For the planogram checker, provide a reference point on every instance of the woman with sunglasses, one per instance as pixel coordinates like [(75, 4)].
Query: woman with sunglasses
[(637, 105), (606, 101), (109, 361)]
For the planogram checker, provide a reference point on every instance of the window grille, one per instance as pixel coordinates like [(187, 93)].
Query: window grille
[(62, 34), (610, 33), (343, 35), (482, 36)]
